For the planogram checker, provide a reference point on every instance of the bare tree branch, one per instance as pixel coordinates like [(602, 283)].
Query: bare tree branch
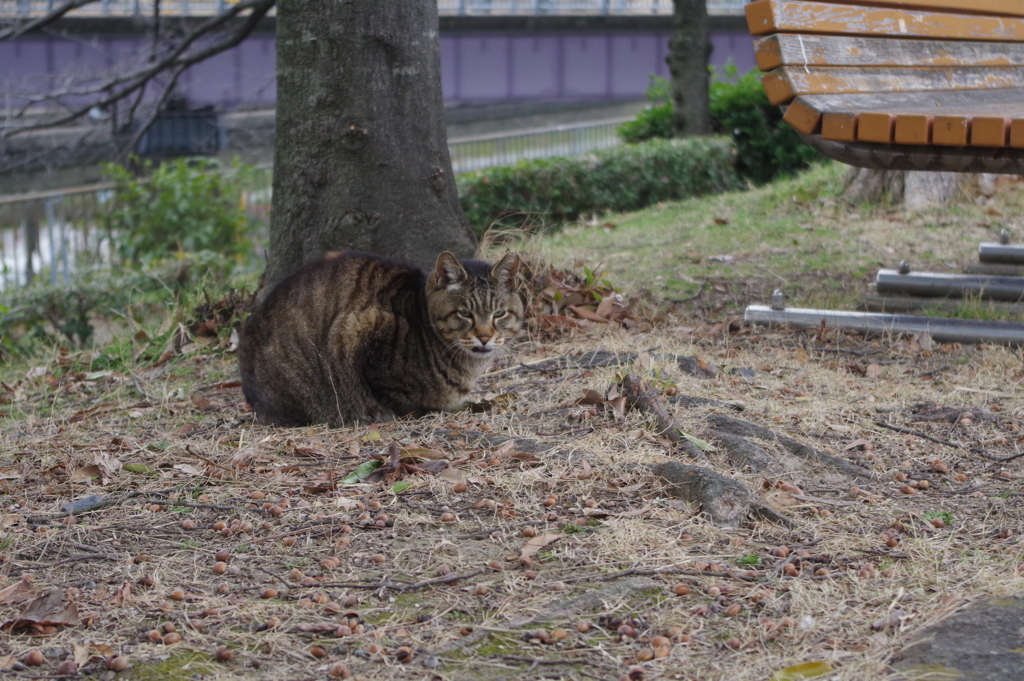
[(259, 7), (168, 90), (43, 21), (176, 61)]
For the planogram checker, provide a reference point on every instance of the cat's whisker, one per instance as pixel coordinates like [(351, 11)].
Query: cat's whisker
[(454, 347), (503, 353)]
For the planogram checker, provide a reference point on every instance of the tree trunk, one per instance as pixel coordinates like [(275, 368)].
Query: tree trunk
[(926, 189), (361, 158), (867, 185), (913, 190), (687, 61)]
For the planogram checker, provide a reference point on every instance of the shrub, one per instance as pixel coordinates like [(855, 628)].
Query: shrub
[(623, 178), (655, 122), (187, 205), (47, 314), (766, 146)]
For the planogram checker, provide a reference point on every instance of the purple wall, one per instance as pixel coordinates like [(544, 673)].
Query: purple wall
[(475, 67)]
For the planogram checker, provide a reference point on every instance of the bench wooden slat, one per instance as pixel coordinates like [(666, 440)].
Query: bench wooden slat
[(956, 130), (981, 119), (787, 82), (787, 49), (808, 113), (899, 84), (999, 7), (793, 16), (998, 130)]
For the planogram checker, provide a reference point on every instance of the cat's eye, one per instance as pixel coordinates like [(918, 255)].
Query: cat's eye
[(465, 314), (499, 313)]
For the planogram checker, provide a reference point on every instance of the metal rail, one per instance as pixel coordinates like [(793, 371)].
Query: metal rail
[(488, 151), (870, 323), (938, 285), (28, 9), (61, 233), (1012, 254)]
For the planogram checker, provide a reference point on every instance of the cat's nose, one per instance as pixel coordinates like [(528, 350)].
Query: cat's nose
[(483, 338)]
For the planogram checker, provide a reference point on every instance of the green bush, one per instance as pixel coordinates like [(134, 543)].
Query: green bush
[(655, 122), (187, 205), (766, 146), (546, 191)]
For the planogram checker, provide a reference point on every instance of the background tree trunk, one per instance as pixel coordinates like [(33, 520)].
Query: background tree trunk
[(687, 61), (866, 185), (913, 190), (361, 157), (924, 190)]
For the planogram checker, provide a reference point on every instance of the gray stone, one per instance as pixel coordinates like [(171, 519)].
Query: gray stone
[(985, 642)]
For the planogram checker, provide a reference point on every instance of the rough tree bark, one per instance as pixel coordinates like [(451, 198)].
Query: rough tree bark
[(687, 61), (361, 158), (914, 190)]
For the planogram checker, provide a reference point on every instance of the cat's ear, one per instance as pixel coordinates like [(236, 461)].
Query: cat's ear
[(448, 273), (505, 272)]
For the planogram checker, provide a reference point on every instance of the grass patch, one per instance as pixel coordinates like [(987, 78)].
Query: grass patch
[(795, 234), (973, 307), (180, 666)]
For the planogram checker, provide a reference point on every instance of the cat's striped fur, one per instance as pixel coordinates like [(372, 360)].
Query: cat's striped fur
[(358, 338)]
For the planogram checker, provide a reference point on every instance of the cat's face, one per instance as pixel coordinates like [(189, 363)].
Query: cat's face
[(474, 308)]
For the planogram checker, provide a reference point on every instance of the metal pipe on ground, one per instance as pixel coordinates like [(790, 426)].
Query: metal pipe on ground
[(910, 304), (1012, 254), (937, 285), (995, 269), (871, 323)]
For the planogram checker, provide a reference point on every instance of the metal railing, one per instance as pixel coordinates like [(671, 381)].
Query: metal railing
[(57, 236), (487, 151), (52, 236), (15, 9)]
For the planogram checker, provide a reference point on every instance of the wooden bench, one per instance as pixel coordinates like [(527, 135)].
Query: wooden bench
[(899, 84)]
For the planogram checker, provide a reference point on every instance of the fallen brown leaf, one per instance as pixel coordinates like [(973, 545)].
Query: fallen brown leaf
[(86, 473), (618, 407), (123, 596), (452, 475), (584, 313), (19, 592), (9, 520), (45, 611), (535, 544), (200, 402)]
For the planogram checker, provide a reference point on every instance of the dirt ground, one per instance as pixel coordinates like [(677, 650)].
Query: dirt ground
[(533, 541)]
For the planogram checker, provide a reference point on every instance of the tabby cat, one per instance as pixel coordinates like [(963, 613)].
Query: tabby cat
[(358, 338)]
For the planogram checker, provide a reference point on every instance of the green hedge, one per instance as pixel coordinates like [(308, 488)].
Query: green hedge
[(547, 191), (766, 146)]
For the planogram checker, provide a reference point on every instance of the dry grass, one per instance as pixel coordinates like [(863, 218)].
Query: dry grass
[(172, 445), (799, 389)]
